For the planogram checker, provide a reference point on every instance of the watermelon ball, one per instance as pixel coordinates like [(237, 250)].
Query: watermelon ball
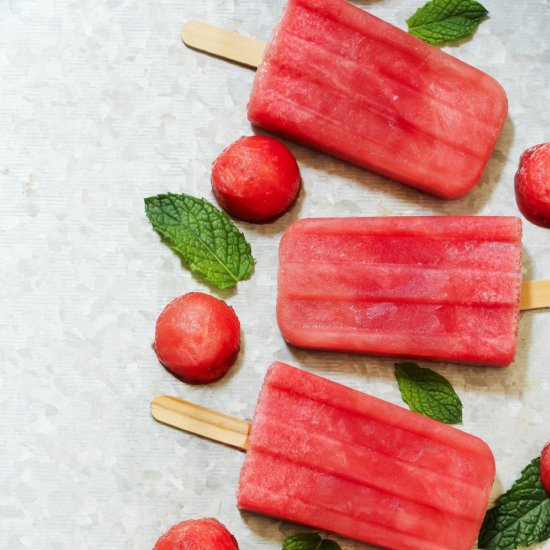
[(197, 338), (197, 534), (256, 179), (532, 183), (545, 468)]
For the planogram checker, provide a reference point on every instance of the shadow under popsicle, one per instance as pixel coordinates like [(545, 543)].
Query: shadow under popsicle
[(264, 527), (407, 197), (510, 380)]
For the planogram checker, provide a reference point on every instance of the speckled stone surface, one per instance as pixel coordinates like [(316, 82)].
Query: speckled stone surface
[(101, 105)]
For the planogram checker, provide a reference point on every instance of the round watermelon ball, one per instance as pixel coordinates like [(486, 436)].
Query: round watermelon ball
[(197, 534), (545, 468), (532, 184), (197, 338), (256, 179)]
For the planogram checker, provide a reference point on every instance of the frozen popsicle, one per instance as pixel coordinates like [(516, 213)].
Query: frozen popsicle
[(335, 459), (437, 288), (338, 79)]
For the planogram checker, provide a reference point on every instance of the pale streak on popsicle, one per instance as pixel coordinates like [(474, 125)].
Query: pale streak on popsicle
[(437, 288), (335, 459)]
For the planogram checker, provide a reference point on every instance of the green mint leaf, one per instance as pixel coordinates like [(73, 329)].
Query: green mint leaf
[(521, 516), (309, 541), (302, 541), (428, 393), (206, 238), (328, 544), (446, 20)]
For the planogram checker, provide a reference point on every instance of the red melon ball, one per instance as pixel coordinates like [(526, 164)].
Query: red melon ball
[(545, 468), (532, 184), (197, 534), (197, 338), (256, 179)]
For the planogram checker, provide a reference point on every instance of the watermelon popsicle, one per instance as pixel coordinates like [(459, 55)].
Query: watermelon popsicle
[(436, 288), (338, 79), (332, 458)]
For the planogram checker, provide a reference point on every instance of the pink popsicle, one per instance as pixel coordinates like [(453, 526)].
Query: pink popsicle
[(336, 459), (437, 288), (338, 79)]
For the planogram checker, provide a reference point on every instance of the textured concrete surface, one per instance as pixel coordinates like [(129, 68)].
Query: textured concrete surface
[(101, 105)]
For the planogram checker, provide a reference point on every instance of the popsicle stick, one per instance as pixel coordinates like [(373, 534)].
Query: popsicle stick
[(199, 420), (535, 295), (221, 43)]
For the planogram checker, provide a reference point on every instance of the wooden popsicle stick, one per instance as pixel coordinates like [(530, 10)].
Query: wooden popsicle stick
[(199, 420), (535, 295), (221, 43)]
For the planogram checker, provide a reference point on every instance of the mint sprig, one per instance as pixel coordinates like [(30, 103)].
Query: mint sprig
[(428, 393), (446, 20), (208, 241), (521, 516), (309, 541)]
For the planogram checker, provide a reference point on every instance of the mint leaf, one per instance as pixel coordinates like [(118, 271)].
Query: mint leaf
[(328, 544), (521, 516), (428, 393), (302, 541), (446, 20), (309, 541), (206, 238)]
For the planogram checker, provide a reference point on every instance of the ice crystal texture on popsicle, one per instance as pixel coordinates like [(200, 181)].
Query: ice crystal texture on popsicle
[(335, 459), (438, 288)]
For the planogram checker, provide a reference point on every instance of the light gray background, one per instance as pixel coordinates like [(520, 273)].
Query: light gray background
[(100, 106)]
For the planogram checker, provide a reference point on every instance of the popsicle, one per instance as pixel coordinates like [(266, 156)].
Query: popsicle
[(436, 288), (339, 79), (333, 458)]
